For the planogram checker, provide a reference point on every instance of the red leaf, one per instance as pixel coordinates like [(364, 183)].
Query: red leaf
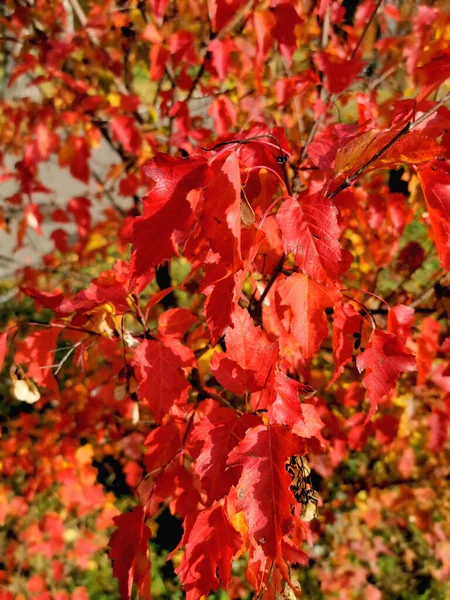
[(221, 215), (436, 189), (347, 322), (224, 114), (249, 359), (310, 231), (216, 435), (75, 154), (166, 208), (175, 322), (210, 543), (129, 551), (161, 379), (3, 341), (161, 445), (36, 351), (263, 492), (439, 423), (286, 408), (219, 287), (221, 11), (339, 72), (220, 56), (263, 24), (427, 347), (159, 7), (307, 301), (400, 319), (124, 131), (384, 359), (286, 20), (433, 74)]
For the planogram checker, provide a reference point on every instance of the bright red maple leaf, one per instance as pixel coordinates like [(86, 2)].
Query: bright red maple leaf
[(347, 328), (286, 408), (161, 379), (310, 230), (221, 210), (210, 543), (307, 301), (384, 359), (213, 439), (166, 208), (36, 352), (219, 287), (263, 492), (162, 445), (436, 189), (130, 553), (248, 362)]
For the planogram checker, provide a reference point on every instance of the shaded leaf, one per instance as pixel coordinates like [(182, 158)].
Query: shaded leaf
[(129, 551)]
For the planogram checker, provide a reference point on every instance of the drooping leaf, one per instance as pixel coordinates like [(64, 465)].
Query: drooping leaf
[(175, 322), (161, 445), (219, 288), (124, 131), (436, 189), (247, 364), (384, 359), (400, 319), (166, 208), (263, 492), (36, 353), (339, 72), (217, 434), (130, 553), (307, 301), (3, 342), (210, 543), (310, 231), (287, 409), (221, 212), (158, 364), (347, 326)]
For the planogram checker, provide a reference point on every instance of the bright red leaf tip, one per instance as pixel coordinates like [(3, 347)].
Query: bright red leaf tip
[(247, 364), (166, 208), (129, 551), (263, 492), (310, 231), (210, 543), (384, 359)]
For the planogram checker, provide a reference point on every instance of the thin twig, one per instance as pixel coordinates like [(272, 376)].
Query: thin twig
[(365, 30), (410, 126), (269, 577)]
